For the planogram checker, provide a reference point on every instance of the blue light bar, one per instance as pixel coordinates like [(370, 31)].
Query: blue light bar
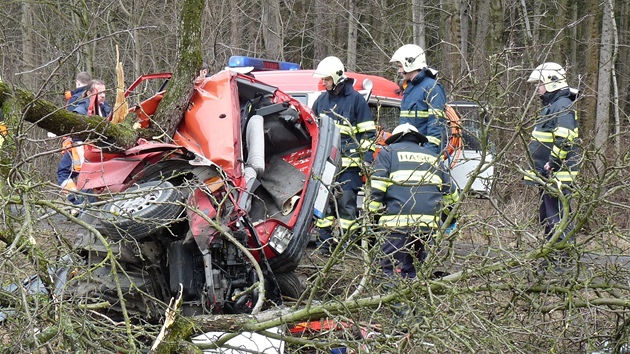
[(236, 61)]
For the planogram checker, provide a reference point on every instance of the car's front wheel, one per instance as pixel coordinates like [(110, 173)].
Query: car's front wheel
[(142, 210), (289, 284)]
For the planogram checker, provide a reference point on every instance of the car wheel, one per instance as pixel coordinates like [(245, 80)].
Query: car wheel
[(290, 285), (141, 210)]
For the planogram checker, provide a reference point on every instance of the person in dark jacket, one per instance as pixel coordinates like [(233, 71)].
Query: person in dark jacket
[(93, 103), (424, 99), (81, 82), (552, 148), (410, 192), (353, 117)]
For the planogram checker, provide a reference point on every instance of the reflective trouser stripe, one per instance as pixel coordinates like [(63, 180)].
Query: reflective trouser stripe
[(374, 206), (325, 222), (346, 224), (424, 220)]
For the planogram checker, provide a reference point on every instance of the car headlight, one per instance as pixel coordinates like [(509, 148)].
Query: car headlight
[(280, 238)]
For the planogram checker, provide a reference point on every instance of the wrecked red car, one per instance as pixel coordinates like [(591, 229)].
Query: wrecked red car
[(226, 202)]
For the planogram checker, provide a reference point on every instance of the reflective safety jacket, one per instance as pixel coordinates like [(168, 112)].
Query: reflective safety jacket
[(69, 167), (410, 188), (353, 117), (554, 137), (423, 105)]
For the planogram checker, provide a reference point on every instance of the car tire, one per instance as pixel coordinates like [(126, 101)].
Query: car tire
[(290, 285), (152, 206)]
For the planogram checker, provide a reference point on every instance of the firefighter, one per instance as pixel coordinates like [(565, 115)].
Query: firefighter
[(553, 147), (410, 194), (353, 117), (424, 99)]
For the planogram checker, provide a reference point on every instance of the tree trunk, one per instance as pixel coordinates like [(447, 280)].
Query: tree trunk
[(623, 60), (60, 121), (272, 29), (464, 35), (353, 19), (482, 32), (592, 69), (419, 27), (453, 40), (28, 43), (320, 46), (602, 117), (180, 89), (236, 29)]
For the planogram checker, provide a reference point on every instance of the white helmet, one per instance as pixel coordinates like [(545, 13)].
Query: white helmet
[(330, 67), (404, 129), (552, 75), (411, 57)]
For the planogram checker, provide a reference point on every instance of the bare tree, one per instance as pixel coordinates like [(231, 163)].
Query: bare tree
[(354, 16), (602, 119), (272, 28), (418, 20), (496, 283)]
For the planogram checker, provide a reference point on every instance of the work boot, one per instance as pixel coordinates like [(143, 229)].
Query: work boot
[(558, 263)]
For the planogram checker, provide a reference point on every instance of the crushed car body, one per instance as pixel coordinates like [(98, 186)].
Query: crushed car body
[(222, 205)]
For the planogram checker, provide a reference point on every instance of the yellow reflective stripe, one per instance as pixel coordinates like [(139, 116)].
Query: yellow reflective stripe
[(425, 220), (348, 224), (374, 206), (530, 175), (367, 145), (366, 126), (325, 222), (414, 114), (451, 198), (380, 185), (566, 176), (543, 137), (350, 161), (345, 129), (559, 153), (434, 140), (411, 176), (565, 133), (436, 112)]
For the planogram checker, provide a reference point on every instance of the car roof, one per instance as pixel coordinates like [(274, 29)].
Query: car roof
[(302, 81)]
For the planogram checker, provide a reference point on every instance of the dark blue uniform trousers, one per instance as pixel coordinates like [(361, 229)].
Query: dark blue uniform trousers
[(550, 212), (350, 181), (399, 251)]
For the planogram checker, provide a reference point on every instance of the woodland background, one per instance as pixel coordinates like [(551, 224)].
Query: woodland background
[(484, 51)]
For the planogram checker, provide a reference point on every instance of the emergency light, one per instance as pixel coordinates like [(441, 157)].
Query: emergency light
[(236, 61)]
